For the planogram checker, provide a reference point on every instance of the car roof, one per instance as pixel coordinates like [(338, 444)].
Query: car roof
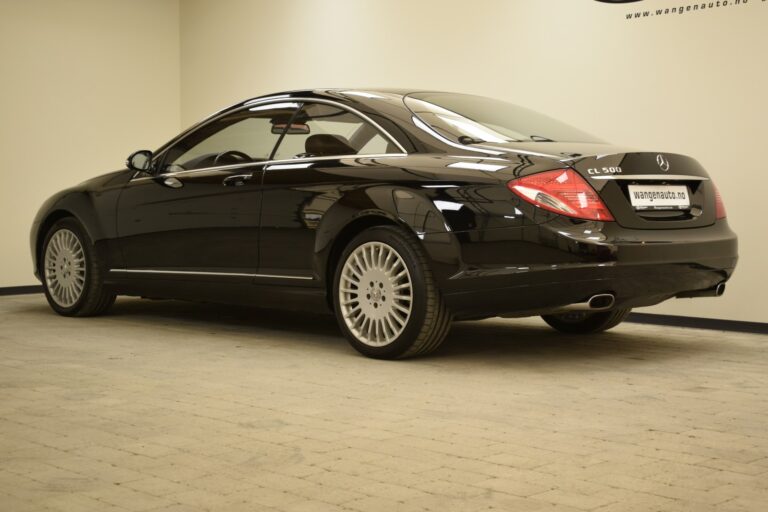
[(338, 93), (398, 91)]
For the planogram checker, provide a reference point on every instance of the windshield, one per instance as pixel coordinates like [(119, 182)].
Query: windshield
[(469, 119)]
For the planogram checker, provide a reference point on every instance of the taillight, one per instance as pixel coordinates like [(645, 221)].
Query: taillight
[(562, 191), (719, 205)]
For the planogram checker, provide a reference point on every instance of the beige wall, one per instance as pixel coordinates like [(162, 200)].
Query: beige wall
[(83, 83), (694, 83), (88, 75)]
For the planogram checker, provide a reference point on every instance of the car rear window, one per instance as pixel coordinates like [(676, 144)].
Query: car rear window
[(474, 119)]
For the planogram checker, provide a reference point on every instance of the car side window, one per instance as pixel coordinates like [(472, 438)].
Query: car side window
[(245, 136), (325, 130)]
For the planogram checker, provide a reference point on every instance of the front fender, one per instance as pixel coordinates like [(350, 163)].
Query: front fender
[(69, 203), (92, 203)]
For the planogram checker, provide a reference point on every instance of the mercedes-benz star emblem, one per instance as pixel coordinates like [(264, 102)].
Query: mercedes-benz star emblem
[(663, 163)]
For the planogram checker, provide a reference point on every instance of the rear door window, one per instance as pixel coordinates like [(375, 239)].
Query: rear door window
[(320, 130)]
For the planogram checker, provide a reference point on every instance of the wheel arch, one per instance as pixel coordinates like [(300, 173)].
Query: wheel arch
[(75, 205), (361, 209), (348, 232), (45, 225)]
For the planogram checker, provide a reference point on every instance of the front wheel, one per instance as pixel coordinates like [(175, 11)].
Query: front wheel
[(385, 297), (583, 322), (72, 272)]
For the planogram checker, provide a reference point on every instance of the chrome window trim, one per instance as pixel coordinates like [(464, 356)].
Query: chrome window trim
[(416, 120), (202, 273), (661, 177), (277, 99), (481, 158), (265, 163)]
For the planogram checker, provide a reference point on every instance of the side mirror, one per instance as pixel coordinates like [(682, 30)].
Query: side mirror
[(139, 160)]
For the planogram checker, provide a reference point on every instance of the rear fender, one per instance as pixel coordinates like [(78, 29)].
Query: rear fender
[(388, 205)]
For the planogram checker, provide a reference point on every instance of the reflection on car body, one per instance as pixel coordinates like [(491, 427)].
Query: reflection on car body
[(397, 210)]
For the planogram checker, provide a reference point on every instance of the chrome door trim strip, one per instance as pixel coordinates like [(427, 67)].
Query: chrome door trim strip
[(201, 273), (276, 276), (662, 177), (234, 167), (311, 159)]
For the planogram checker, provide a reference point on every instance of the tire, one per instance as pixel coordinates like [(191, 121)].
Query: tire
[(385, 298), (72, 274), (582, 322)]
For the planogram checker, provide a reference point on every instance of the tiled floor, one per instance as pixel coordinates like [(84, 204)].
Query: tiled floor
[(172, 406)]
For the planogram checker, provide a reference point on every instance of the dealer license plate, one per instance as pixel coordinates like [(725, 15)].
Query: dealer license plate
[(659, 197)]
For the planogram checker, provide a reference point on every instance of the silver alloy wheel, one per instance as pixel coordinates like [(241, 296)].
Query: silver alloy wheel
[(65, 268), (375, 293)]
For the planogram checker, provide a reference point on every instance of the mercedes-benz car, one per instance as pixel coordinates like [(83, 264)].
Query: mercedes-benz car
[(398, 210)]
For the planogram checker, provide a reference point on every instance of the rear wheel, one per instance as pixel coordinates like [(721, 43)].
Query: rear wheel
[(385, 298), (584, 322), (72, 273)]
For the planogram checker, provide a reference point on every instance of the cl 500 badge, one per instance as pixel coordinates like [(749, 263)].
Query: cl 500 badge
[(604, 170)]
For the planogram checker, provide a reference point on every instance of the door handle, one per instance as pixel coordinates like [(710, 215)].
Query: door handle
[(173, 182), (238, 180)]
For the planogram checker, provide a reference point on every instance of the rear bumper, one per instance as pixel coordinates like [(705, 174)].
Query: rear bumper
[(537, 269)]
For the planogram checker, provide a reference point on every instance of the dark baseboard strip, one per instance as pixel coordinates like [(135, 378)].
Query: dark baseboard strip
[(21, 290), (699, 323), (639, 318)]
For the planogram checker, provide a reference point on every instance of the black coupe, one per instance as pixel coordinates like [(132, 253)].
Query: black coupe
[(398, 210)]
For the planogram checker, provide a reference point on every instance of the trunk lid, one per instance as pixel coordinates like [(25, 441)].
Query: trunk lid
[(643, 190)]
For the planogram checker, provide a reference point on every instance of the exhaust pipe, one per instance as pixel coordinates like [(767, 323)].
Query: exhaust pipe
[(715, 291), (599, 302)]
